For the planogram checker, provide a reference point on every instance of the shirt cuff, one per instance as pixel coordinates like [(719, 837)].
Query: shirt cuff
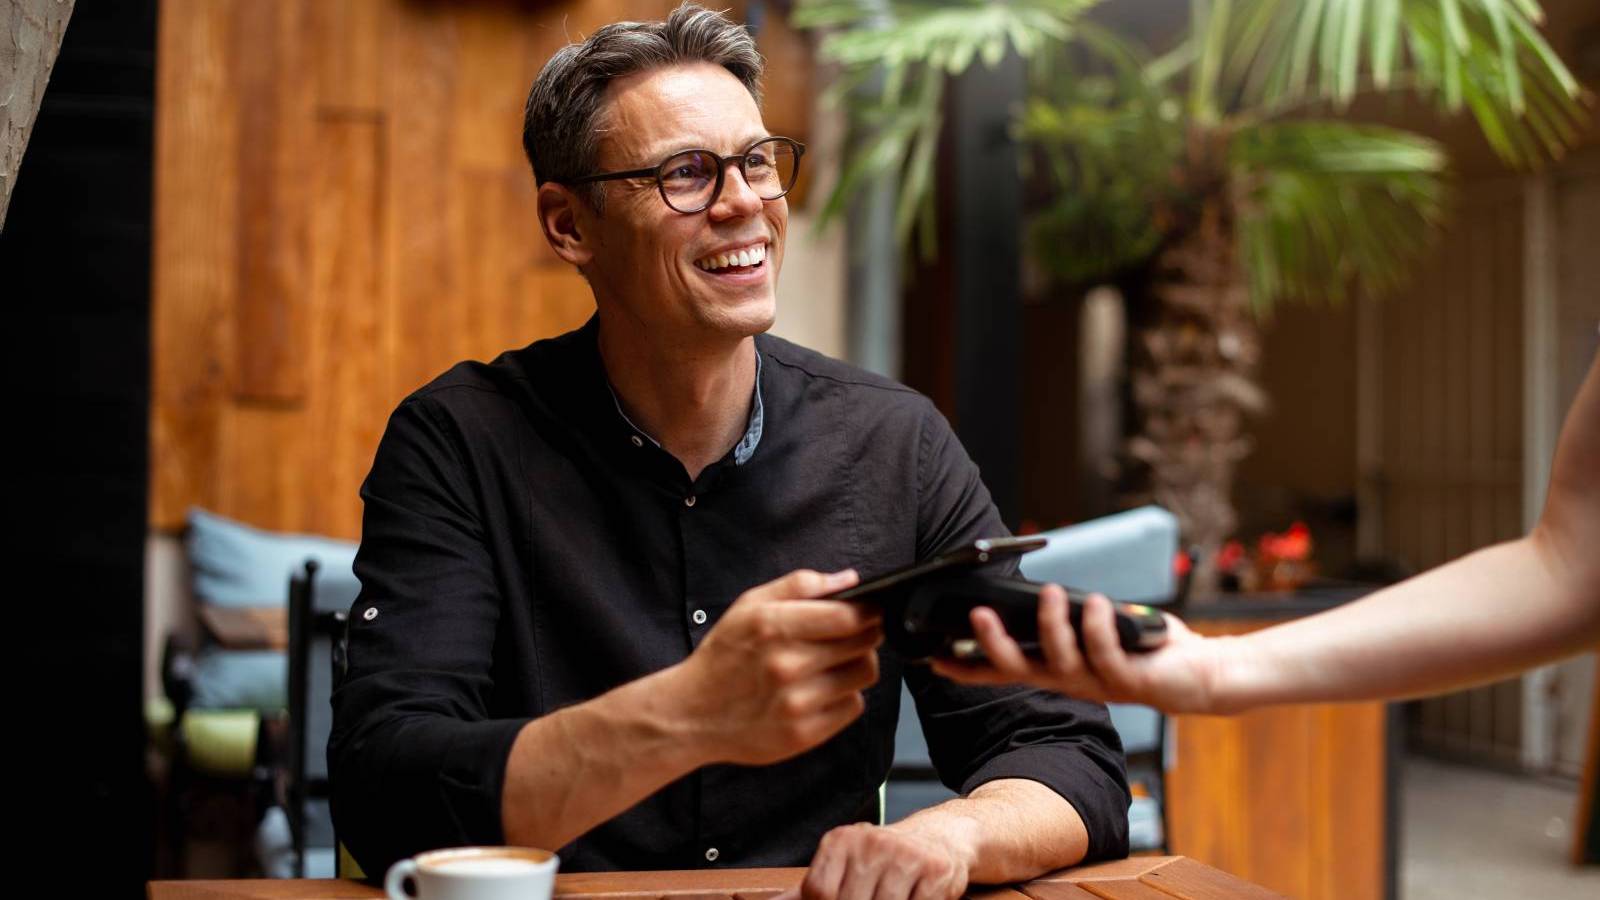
[(1100, 799), (472, 782)]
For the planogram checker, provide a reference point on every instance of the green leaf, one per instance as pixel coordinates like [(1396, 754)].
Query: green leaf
[(1385, 30), (1329, 205)]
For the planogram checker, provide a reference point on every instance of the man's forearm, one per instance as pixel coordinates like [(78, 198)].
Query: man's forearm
[(578, 767), (1007, 830)]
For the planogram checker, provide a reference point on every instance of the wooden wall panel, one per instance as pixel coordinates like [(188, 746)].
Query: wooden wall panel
[(274, 99), (343, 212), (349, 311), (193, 269), (348, 44)]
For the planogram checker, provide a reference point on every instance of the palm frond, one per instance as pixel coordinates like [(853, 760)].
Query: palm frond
[(1107, 138), (895, 61), (1325, 205), (1484, 57)]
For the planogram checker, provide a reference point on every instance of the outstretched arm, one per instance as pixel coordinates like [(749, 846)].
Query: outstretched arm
[(1476, 619)]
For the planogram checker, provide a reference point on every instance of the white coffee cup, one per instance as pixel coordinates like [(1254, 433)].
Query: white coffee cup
[(475, 873)]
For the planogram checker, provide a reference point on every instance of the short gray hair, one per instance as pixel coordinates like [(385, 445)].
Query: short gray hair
[(558, 123)]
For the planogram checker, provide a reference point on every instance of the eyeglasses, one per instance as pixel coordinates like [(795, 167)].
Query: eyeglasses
[(691, 180)]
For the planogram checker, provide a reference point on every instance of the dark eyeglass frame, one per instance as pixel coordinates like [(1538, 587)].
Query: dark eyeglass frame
[(658, 171)]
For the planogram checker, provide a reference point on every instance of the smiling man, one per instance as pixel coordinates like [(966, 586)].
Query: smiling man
[(592, 611)]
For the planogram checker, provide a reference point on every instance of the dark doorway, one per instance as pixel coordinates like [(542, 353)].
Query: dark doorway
[(75, 277)]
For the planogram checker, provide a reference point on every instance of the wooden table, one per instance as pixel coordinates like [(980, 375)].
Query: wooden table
[(1142, 878)]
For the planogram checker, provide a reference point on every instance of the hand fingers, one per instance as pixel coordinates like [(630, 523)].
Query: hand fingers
[(970, 673), (1056, 638), (1110, 663), (936, 889), (806, 584), (818, 620), (823, 877), (861, 877), (898, 880), (805, 659), (1004, 654), (830, 720), (830, 685)]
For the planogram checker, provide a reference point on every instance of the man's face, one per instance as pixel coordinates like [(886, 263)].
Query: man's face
[(652, 263)]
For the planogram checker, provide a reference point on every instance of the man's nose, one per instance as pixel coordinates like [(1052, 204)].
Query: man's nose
[(738, 198)]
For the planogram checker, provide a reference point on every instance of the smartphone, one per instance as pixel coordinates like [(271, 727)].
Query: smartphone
[(894, 586)]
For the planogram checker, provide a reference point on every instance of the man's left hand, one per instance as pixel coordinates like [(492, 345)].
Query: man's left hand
[(898, 862)]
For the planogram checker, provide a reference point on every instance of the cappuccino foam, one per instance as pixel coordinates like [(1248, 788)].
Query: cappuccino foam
[(484, 865)]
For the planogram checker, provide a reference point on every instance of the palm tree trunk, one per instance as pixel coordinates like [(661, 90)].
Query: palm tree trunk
[(1193, 385)]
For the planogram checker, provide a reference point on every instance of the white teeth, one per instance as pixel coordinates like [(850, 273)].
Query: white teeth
[(747, 257)]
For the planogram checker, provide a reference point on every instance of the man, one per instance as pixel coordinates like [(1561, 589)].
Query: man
[(548, 650)]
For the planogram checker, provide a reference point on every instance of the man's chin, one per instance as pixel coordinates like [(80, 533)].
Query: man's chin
[(748, 317)]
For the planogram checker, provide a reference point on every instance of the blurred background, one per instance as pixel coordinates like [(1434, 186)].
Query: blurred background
[(1318, 278)]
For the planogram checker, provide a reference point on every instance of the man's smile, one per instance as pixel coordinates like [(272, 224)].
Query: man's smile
[(738, 259)]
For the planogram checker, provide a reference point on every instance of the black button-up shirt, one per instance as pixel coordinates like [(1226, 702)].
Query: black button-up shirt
[(525, 548)]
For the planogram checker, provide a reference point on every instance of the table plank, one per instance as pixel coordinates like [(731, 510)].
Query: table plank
[(1140, 878), (1191, 880), (1125, 890), (1054, 890), (263, 889), (1116, 870)]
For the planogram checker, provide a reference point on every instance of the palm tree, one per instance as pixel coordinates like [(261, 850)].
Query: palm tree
[(1212, 179)]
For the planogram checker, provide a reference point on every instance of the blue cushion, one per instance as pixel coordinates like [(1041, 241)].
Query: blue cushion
[(1127, 556), (240, 679), (234, 564)]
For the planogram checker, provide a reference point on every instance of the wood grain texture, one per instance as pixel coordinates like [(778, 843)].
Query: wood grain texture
[(273, 91), (343, 212), (1290, 798), (1196, 881), (194, 271), (33, 30)]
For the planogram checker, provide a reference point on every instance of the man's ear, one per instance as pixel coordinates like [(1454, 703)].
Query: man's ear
[(565, 218)]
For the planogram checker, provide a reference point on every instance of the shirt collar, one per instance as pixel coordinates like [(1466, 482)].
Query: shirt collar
[(743, 450)]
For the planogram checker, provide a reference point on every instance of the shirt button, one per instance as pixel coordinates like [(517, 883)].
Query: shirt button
[(689, 500), (699, 617), (370, 614), (636, 441), (711, 854)]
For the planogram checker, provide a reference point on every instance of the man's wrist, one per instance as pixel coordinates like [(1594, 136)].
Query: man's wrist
[(670, 701), (958, 836)]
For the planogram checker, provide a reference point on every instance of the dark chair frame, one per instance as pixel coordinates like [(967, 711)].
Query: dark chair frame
[(184, 783), (305, 625)]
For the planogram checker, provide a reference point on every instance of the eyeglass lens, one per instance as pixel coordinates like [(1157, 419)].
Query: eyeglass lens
[(689, 179)]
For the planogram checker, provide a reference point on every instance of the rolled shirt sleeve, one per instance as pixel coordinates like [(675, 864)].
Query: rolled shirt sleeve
[(416, 759), (980, 734)]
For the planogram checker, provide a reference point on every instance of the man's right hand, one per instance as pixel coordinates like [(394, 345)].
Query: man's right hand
[(782, 671)]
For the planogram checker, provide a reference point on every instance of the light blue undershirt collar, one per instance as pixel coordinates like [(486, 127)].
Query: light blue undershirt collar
[(746, 447)]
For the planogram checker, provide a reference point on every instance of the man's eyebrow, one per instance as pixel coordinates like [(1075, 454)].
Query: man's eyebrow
[(657, 153)]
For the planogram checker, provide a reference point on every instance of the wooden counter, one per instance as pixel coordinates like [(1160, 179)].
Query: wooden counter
[(1296, 798)]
